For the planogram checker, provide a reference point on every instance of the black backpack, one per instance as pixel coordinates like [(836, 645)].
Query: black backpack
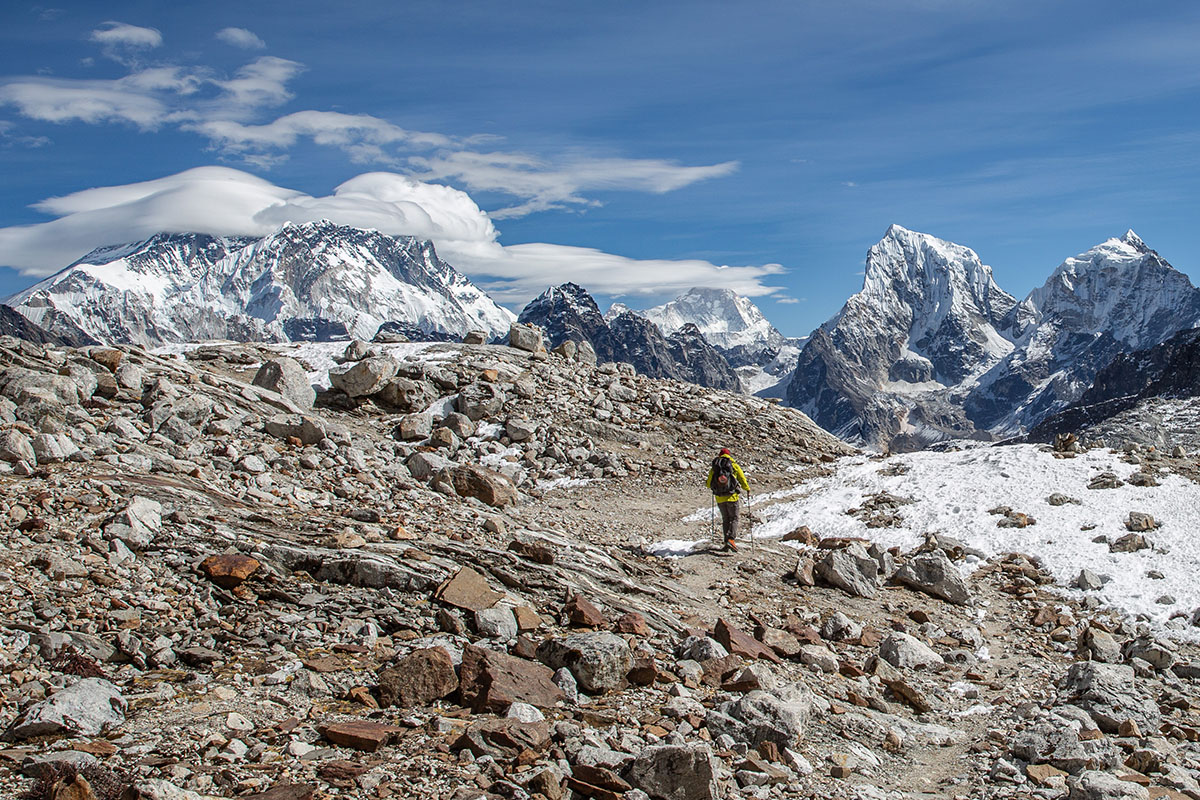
[(722, 476)]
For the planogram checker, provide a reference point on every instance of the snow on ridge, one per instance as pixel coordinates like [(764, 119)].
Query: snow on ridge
[(953, 492)]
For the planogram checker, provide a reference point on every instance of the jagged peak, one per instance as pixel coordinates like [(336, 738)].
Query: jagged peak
[(1131, 238)]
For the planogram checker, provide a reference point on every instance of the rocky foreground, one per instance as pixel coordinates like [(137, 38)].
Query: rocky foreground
[(433, 580)]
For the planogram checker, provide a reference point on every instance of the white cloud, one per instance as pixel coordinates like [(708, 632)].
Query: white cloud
[(224, 201), (124, 34), (240, 37), (60, 100), (261, 83)]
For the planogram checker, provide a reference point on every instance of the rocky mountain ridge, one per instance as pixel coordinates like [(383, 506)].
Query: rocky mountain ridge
[(309, 281), (933, 349)]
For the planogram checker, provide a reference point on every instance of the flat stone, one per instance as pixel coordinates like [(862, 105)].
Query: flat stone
[(582, 614), (229, 570), (361, 734), (738, 642), (418, 679), (468, 590), (88, 707), (492, 681)]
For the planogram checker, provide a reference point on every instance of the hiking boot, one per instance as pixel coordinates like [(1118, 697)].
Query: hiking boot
[(730, 544)]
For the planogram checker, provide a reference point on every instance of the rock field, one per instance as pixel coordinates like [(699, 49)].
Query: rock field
[(432, 580)]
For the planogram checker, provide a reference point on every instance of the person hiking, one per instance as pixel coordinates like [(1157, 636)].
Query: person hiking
[(724, 478)]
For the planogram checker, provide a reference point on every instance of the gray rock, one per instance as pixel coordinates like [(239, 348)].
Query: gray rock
[(838, 628), (138, 524), (520, 430), (423, 466), (357, 350), (700, 648), (413, 427), (47, 765), (1056, 742), (1088, 581), (1100, 646), (480, 400), (850, 569), (475, 337), (308, 429), (907, 652), (675, 772), (365, 377), (599, 661), (406, 394), (822, 658), (564, 680), (462, 425), (1158, 653), (1109, 693), (525, 337), (87, 708), (586, 354), (496, 623), (1096, 785), (21, 385), (756, 717), (53, 448), (287, 377), (16, 446), (934, 574)]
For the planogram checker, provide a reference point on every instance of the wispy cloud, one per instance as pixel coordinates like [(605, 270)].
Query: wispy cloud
[(224, 201), (231, 113), (240, 37)]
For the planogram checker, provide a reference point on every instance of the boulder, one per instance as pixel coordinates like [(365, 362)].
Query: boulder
[(493, 681), (907, 652), (89, 707), (497, 622), (138, 524), (484, 484), (760, 717), (586, 354), (406, 394), (934, 574), (423, 466), (309, 430), (598, 661), (20, 385), (1109, 693), (525, 337), (16, 446), (839, 628), (287, 377), (468, 590), (675, 772), (1096, 785), (479, 400), (364, 377), (1056, 742), (418, 679), (413, 426), (851, 569), (229, 570), (475, 337), (739, 643)]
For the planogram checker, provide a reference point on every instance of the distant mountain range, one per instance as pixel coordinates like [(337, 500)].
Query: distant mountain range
[(930, 349)]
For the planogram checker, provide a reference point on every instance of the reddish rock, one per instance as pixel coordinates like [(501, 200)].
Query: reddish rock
[(644, 672), (783, 643), (634, 623), (468, 590), (361, 734), (716, 669), (491, 681), (341, 774), (109, 358), (740, 643), (804, 571), (229, 569), (527, 619), (870, 638), (503, 738), (287, 791), (582, 614), (532, 551), (601, 777), (418, 679), (802, 534)]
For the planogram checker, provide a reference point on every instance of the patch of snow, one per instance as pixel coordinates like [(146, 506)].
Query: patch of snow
[(674, 548)]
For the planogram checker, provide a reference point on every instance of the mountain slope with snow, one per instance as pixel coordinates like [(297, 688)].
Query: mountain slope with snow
[(315, 276), (932, 348)]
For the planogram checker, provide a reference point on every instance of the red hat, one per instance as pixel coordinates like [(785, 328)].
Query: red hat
[(724, 451)]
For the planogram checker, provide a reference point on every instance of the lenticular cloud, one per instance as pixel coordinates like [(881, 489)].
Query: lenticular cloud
[(227, 202)]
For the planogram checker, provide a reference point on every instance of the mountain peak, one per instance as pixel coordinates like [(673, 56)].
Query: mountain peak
[(1133, 240)]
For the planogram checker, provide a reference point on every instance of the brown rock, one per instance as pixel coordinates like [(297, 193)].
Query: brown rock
[(503, 738), (770, 751), (1130, 728), (360, 734), (634, 623), (468, 590), (740, 643), (418, 679), (532, 551), (803, 573), (644, 672), (582, 614), (716, 669), (783, 643), (527, 619), (802, 534), (341, 774), (1041, 774), (909, 695), (840, 771), (109, 358), (1138, 521), (484, 484), (599, 776), (493, 681), (870, 638), (548, 783), (77, 788), (229, 569)]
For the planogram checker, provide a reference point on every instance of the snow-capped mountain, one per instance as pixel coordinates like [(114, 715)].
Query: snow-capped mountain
[(311, 279), (1119, 296), (932, 348), (926, 321), (568, 312)]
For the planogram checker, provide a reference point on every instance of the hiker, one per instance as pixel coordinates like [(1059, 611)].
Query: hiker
[(724, 478)]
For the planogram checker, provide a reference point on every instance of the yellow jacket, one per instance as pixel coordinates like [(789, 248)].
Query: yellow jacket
[(738, 476)]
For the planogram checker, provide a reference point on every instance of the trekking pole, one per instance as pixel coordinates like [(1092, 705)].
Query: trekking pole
[(712, 518)]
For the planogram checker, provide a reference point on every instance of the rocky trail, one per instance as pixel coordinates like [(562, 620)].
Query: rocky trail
[(438, 578)]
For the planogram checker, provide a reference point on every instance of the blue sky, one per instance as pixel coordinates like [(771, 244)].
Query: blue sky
[(637, 148)]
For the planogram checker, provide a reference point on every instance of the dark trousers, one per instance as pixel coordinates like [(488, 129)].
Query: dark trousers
[(729, 518)]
